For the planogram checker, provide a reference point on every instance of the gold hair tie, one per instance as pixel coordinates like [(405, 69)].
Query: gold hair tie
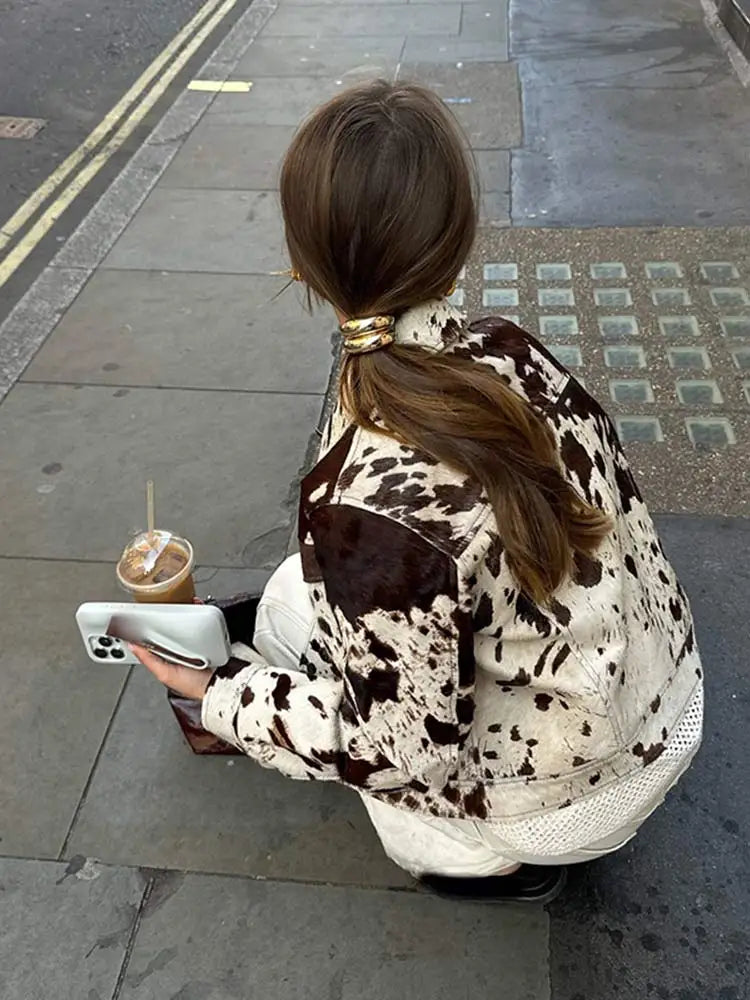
[(362, 336), (289, 272)]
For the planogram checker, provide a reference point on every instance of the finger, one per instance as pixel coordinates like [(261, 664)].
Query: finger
[(158, 667), (183, 680)]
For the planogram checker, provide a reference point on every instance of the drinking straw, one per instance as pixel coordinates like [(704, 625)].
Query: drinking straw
[(150, 506)]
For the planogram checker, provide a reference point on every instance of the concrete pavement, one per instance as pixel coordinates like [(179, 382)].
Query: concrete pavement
[(68, 65), (154, 346)]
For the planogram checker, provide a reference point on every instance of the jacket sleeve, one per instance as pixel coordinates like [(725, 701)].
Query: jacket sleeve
[(280, 718), (397, 705)]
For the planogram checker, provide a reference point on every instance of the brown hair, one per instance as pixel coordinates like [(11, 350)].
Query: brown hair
[(379, 202)]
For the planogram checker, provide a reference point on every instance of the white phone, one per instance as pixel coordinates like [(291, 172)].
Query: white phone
[(190, 635)]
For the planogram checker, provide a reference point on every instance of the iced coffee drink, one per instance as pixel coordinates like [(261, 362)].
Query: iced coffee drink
[(157, 568)]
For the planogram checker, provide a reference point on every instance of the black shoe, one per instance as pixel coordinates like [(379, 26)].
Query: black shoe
[(530, 884)]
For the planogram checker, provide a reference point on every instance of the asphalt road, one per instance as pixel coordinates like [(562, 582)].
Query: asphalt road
[(69, 62)]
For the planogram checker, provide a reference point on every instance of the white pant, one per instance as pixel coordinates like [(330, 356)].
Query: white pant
[(419, 843)]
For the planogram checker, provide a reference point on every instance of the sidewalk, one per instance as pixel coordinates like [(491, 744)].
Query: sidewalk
[(154, 347)]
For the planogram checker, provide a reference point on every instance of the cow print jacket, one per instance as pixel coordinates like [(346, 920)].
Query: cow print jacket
[(430, 680)]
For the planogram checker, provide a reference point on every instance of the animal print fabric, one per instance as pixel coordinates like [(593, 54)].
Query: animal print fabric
[(430, 680)]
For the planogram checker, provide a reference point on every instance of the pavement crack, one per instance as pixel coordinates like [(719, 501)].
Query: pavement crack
[(92, 772), (131, 938)]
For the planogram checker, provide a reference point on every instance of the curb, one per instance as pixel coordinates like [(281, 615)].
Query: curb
[(37, 313), (735, 16)]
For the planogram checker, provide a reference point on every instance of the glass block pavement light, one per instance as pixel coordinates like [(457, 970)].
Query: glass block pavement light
[(657, 324)]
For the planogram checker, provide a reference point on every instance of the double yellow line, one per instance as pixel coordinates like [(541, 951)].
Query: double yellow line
[(144, 93)]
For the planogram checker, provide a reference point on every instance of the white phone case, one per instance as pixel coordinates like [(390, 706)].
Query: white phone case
[(192, 635)]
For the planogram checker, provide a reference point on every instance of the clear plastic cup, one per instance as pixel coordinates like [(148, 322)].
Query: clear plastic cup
[(157, 568)]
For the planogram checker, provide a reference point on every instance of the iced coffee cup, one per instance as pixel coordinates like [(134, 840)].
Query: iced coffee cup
[(156, 567)]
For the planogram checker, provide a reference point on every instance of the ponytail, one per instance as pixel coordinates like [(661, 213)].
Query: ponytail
[(379, 203), (460, 412)]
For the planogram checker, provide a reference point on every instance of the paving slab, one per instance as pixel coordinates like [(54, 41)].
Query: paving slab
[(99, 230), (222, 156), (486, 21), (666, 917), (283, 100), (193, 230), (627, 114), (483, 96), (494, 176), (152, 802), (214, 331), (644, 31), (65, 928), (377, 19), (421, 49), (364, 57), (360, 3), (215, 938), (58, 703), (657, 324), (222, 461), (27, 326)]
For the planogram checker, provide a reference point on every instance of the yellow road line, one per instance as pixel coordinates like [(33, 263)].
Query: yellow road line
[(45, 222), (107, 124), (221, 86)]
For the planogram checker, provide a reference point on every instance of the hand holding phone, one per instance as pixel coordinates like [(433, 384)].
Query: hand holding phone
[(185, 681)]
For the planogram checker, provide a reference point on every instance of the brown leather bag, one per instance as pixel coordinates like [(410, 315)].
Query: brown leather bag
[(239, 613)]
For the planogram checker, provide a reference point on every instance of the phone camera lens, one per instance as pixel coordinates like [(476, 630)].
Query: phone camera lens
[(104, 640), (118, 654), (101, 653)]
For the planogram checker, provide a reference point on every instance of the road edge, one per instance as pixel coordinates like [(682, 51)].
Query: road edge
[(35, 315)]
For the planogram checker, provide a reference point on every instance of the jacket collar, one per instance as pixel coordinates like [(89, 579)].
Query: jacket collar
[(432, 325)]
